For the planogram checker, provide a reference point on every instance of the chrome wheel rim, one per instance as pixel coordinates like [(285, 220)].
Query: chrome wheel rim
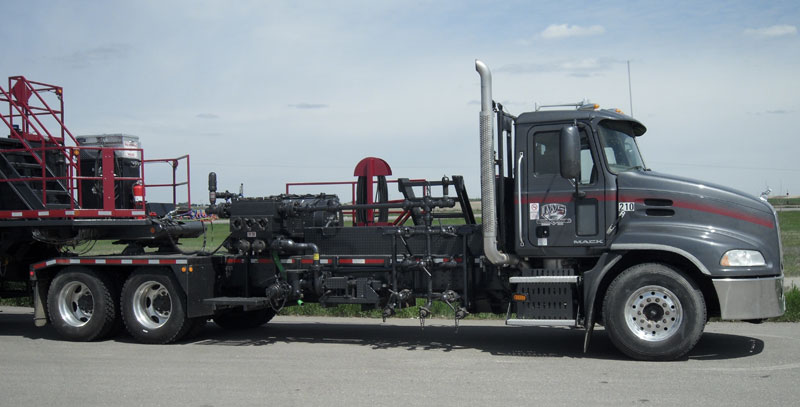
[(75, 304), (653, 313), (152, 305)]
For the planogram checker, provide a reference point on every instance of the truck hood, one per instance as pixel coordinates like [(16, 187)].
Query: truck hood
[(699, 190)]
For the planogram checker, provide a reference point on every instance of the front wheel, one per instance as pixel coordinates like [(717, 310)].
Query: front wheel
[(653, 312), (153, 307)]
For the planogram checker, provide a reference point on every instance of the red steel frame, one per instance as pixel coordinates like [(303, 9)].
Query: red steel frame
[(37, 140)]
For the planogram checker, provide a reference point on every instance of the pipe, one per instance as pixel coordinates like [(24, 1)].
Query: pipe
[(289, 244), (487, 172)]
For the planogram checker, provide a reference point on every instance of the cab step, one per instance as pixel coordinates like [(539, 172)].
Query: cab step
[(541, 322)]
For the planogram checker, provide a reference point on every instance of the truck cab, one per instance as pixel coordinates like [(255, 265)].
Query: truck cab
[(584, 202), (560, 216)]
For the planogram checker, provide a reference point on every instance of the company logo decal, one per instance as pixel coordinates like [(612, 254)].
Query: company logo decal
[(554, 214), (586, 242)]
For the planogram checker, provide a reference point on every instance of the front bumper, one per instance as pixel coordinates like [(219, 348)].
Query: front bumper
[(750, 298)]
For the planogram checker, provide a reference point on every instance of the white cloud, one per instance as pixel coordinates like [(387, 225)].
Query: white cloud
[(555, 31), (773, 31)]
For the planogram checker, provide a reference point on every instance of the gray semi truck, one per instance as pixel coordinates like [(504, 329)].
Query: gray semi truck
[(575, 231)]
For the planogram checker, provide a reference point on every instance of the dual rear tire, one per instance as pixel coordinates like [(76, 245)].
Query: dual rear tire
[(153, 307), (84, 305)]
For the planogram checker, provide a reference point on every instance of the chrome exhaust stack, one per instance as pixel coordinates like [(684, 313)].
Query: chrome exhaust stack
[(487, 172)]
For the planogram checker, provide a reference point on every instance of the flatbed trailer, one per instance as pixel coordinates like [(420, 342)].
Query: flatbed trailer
[(575, 230)]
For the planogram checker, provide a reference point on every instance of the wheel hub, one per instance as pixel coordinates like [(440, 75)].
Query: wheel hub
[(75, 304), (653, 313), (152, 304)]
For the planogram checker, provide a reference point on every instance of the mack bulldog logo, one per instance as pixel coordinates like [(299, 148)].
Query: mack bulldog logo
[(554, 214)]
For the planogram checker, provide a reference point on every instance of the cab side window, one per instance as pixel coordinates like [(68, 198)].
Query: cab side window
[(588, 168), (546, 157)]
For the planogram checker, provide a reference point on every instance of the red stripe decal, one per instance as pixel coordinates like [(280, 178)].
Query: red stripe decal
[(708, 209), (609, 197), (724, 212)]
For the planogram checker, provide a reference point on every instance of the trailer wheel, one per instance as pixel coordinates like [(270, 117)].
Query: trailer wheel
[(153, 307), (653, 312), (81, 304), (239, 320)]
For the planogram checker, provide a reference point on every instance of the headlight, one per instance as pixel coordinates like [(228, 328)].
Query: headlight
[(742, 258)]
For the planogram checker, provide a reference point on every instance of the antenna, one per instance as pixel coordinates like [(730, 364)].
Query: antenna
[(630, 93)]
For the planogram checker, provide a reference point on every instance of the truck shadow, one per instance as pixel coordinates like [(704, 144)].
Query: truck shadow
[(497, 340)]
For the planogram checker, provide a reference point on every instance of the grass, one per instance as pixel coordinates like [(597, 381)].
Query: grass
[(438, 310), (792, 306), (782, 201), (215, 234), (790, 237)]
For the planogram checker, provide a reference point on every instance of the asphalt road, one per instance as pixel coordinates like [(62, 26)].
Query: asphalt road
[(299, 361)]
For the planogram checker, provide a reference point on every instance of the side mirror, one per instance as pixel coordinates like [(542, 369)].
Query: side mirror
[(570, 152)]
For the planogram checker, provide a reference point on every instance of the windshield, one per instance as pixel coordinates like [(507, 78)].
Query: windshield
[(619, 146)]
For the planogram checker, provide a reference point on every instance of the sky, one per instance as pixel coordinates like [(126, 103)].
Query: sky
[(270, 92)]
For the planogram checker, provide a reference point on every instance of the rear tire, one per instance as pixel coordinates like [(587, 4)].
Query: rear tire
[(653, 312), (239, 320), (81, 304), (153, 307)]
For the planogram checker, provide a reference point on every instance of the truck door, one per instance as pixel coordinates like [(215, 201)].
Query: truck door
[(556, 217)]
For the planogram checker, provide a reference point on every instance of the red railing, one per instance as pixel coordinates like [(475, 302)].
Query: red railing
[(28, 127), (174, 163), (28, 113)]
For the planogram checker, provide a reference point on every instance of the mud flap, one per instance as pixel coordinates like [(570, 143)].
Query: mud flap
[(39, 314)]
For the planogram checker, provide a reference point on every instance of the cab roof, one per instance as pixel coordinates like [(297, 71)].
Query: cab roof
[(546, 116)]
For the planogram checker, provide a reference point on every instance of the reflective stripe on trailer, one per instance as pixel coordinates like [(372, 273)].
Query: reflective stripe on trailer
[(306, 261), (71, 213), (348, 261), (107, 261)]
